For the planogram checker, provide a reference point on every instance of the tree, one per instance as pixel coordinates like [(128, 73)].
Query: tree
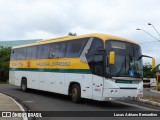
[(4, 63), (148, 72), (72, 34)]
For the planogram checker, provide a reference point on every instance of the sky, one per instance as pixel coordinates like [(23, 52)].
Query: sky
[(41, 19)]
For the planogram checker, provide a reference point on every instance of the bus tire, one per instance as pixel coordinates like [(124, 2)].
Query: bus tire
[(24, 85), (76, 93)]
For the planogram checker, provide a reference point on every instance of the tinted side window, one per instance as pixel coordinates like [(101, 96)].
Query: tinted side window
[(55, 48), (98, 65), (43, 51), (62, 52), (97, 43), (75, 47), (14, 54), (95, 58), (21, 53), (31, 52), (58, 50)]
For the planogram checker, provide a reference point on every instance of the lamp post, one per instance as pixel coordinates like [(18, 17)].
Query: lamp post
[(148, 34), (157, 74), (154, 28)]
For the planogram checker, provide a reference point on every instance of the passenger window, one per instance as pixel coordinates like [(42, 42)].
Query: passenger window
[(31, 52), (58, 50), (97, 43), (43, 51), (62, 52), (75, 47), (21, 53), (55, 48)]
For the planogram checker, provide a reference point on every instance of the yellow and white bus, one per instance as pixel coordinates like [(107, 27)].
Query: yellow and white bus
[(94, 66)]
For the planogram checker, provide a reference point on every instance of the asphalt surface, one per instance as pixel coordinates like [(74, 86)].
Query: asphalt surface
[(45, 101)]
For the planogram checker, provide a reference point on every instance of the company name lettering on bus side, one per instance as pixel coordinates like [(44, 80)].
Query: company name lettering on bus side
[(61, 63), (44, 64), (14, 64), (21, 64), (54, 64)]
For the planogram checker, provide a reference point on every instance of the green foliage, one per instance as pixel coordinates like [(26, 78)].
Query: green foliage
[(148, 72), (6, 82), (72, 34), (4, 63)]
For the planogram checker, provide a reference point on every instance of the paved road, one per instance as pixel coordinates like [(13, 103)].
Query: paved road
[(44, 101)]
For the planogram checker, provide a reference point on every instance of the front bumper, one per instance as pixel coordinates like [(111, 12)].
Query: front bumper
[(122, 94)]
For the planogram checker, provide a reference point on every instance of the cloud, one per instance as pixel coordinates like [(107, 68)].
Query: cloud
[(31, 19)]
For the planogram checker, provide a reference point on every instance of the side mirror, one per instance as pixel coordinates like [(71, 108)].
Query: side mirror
[(153, 63), (153, 60), (112, 58)]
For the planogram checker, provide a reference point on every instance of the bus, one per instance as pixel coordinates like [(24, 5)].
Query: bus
[(94, 66)]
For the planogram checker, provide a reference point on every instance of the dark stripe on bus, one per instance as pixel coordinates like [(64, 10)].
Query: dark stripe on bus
[(84, 71)]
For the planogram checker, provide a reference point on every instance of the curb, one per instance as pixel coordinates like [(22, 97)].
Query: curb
[(149, 102), (18, 104)]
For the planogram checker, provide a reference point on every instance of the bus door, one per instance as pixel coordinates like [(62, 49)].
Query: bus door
[(97, 76)]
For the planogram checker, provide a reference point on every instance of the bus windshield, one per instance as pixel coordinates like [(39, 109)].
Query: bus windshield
[(127, 62)]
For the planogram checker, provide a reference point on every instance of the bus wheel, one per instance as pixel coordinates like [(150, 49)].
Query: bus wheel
[(76, 93), (24, 84)]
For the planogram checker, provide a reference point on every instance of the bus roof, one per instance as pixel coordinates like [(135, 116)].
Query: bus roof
[(104, 37)]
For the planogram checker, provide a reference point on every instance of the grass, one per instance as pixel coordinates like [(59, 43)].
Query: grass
[(152, 98)]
